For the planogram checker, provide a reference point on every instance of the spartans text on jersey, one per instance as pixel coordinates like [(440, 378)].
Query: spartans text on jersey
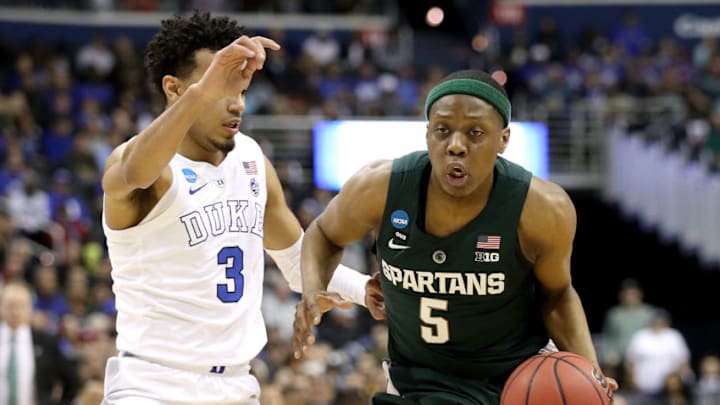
[(452, 283)]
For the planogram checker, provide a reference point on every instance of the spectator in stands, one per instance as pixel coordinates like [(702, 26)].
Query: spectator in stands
[(49, 297), (95, 57), (29, 207), (621, 322), (676, 390), (550, 37), (31, 363), (707, 388), (394, 50), (703, 51), (322, 47), (631, 35), (654, 352)]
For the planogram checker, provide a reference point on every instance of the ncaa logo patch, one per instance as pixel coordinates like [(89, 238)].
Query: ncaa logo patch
[(254, 187), (399, 219), (190, 175)]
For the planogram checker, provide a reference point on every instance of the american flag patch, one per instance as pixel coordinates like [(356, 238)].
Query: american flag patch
[(488, 242), (250, 167)]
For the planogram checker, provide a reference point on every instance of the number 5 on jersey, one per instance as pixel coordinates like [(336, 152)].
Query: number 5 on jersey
[(438, 331)]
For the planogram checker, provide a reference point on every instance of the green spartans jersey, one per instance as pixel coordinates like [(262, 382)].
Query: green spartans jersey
[(463, 305)]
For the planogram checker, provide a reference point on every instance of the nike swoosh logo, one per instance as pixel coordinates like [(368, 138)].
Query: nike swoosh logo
[(193, 191), (392, 245)]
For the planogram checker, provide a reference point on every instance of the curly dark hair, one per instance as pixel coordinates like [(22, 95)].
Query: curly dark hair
[(172, 49)]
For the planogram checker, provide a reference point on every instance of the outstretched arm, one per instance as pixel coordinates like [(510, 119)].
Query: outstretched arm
[(349, 217), (283, 241)]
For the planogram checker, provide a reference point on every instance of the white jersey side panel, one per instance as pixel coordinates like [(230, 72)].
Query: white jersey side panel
[(188, 279)]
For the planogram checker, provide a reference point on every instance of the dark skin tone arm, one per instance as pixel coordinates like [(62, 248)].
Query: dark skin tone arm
[(350, 216), (546, 230)]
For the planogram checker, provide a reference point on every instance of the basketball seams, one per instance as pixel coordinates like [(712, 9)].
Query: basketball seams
[(557, 381), (582, 372), (532, 380), (515, 375), (528, 381)]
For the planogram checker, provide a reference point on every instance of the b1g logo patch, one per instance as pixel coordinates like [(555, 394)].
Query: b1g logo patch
[(399, 219), (487, 257)]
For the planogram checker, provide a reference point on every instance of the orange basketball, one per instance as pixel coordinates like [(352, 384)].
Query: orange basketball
[(561, 378)]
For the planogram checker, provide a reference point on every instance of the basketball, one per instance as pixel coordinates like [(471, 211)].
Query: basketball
[(561, 378)]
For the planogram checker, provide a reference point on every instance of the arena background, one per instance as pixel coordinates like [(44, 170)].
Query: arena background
[(640, 167)]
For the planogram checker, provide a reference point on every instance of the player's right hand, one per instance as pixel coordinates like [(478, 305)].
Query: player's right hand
[(308, 313), (234, 65), (374, 300)]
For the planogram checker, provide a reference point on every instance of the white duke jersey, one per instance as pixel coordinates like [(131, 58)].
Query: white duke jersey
[(188, 279)]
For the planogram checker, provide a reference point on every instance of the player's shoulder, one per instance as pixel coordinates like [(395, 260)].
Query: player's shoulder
[(544, 195), (374, 175), (548, 210)]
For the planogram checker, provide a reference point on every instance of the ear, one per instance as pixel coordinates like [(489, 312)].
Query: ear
[(504, 139), (172, 87)]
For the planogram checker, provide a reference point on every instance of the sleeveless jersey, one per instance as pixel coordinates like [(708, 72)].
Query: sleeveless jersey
[(463, 305), (188, 279)]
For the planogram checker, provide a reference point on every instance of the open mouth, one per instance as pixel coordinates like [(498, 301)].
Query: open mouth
[(456, 175), (234, 124), (456, 170)]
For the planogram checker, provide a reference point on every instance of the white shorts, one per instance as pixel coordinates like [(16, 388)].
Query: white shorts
[(134, 381)]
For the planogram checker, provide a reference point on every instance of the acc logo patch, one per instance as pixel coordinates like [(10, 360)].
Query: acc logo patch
[(399, 219), (190, 175), (254, 187)]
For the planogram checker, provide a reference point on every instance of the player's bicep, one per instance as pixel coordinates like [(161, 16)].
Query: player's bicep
[(358, 207), (549, 228)]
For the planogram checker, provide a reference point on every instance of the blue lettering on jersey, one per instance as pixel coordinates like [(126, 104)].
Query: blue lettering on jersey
[(220, 217), (399, 219), (190, 175)]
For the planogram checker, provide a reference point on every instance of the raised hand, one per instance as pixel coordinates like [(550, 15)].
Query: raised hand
[(308, 313), (235, 63)]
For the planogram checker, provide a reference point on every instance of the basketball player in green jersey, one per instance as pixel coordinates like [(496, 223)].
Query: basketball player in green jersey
[(474, 254)]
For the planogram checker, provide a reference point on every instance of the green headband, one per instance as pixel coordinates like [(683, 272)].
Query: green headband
[(471, 87)]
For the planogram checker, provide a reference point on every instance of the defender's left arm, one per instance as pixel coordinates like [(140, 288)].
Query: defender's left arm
[(547, 231), (283, 242)]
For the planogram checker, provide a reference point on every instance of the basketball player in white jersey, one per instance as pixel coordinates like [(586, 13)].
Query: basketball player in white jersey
[(190, 207)]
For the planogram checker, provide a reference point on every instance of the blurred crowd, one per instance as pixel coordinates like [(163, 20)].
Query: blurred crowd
[(63, 108), (360, 7)]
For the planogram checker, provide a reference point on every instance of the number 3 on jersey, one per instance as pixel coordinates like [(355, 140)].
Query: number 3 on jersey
[(231, 257), (438, 331)]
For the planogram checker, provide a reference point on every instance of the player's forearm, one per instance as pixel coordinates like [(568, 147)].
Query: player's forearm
[(347, 282), (567, 325), (320, 257), (150, 152)]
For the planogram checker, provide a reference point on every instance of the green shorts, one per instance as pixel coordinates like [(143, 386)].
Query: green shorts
[(422, 386)]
